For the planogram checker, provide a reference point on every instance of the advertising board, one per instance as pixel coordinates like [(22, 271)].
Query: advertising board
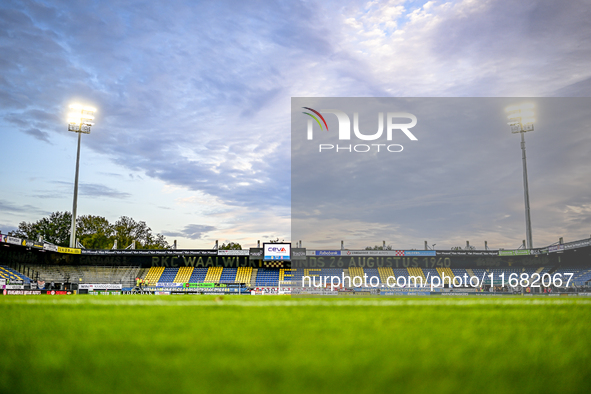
[(277, 251)]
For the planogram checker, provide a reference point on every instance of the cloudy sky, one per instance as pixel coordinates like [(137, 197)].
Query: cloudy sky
[(193, 125), (460, 180)]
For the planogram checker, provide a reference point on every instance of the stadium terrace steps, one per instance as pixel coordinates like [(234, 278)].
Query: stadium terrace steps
[(9, 274), (288, 275), (461, 272), (416, 271), (142, 272), (213, 275), (243, 275), (198, 275), (228, 275), (430, 273), (183, 275), (274, 276), (106, 274), (311, 272), (253, 276), (154, 274), (580, 275), (355, 272), (285, 274), (385, 272), (347, 273), (88, 274), (267, 277), (168, 275), (48, 273), (447, 272)]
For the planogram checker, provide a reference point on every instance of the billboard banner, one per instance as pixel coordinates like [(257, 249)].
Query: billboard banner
[(326, 252), (22, 292), (61, 249), (152, 252), (167, 284), (555, 248), (13, 240), (577, 244), (298, 254), (277, 251), (50, 247), (418, 253), (32, 244), (467, 253), (255, 254), (408, 253), (367, 253), (233, 252), (516, 252), (100, 286)]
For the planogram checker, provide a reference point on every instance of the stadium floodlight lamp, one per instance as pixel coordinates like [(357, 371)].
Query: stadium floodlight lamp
[(521, 117), (79, 121), (521, 120)]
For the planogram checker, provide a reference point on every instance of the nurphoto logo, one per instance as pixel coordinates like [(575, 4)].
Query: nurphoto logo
[(344, 130)]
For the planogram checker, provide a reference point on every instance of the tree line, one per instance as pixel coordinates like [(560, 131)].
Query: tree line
[(93, 232)]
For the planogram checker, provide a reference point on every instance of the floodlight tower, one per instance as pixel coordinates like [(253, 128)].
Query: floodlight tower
[(79, 121), (521, 120)]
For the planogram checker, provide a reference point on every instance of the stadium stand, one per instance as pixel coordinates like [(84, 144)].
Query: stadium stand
[(355, 272), (583, 277), (579, 278), (267, 277), (447, 272), (213, 275), (183, 275), (11, 275), (198, 275), (86, 274), (386, 272), (153, 275), (243, 275), (298, 274), (372, 272), (461, 272), (416, 271), (430, 273), (228, 275), (285, 275), (168, 275), (400, 272)]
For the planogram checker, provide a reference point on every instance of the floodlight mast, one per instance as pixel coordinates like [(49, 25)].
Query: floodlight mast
[(521, 120), (79, 121)]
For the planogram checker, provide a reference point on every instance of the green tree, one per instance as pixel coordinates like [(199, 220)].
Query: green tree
[(126, 230), (389, 247), (231, 246), (54, 229), (94, 232)]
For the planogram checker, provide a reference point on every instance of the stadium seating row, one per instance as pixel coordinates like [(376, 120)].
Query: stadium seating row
[(274, 276), (11, 275)]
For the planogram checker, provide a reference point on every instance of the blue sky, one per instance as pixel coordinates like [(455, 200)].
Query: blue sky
[(193, 124)]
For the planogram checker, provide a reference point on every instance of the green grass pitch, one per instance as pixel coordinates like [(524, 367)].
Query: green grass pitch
[(278, 344)]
